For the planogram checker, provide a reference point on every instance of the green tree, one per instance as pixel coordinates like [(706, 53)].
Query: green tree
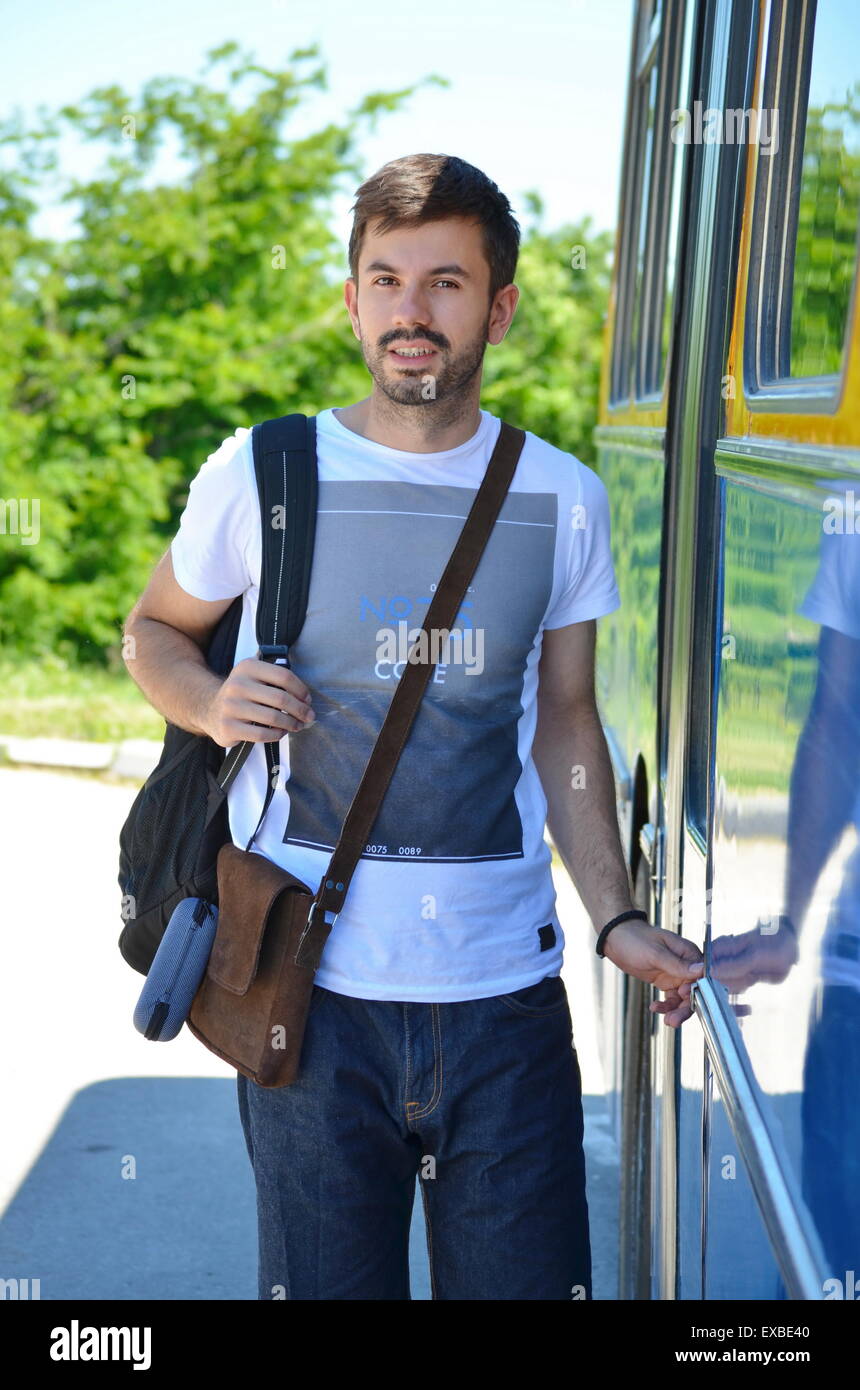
[(181, 311), (546, 376), (826, 236)]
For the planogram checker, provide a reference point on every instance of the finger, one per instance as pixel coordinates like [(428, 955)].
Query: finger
[(679, 947), (280, 676), (274, 712), (772, 977), (662, 1006), (678, 1016), (729, 945), (674, 971), (686, 990), (257, 733), (279, 697)]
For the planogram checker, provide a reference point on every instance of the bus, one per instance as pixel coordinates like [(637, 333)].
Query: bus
[(729, 678)]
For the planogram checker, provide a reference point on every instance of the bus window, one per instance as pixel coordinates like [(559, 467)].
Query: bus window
[(785, 911), (805, 222), (650, 207)]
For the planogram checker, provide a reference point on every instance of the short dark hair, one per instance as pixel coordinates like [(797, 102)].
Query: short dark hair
[(427, 188)]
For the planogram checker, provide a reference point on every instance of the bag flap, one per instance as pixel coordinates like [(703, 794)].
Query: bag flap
[(248, 886)]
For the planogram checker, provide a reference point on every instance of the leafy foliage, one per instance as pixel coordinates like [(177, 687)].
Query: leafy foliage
[(181, 311), (826, 239)]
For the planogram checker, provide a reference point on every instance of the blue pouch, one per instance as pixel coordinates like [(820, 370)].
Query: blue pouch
[(177, 968)]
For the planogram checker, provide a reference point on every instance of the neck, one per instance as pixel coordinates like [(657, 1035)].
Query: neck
[(417, 429)]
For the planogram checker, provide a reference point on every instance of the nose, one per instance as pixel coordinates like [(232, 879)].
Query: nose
[(412, 309)]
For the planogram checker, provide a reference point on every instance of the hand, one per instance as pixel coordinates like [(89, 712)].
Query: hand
[(744, 960), (664, 959), (258, 701)]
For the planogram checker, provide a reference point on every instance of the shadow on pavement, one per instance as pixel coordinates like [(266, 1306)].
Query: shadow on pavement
[(185, 1225)]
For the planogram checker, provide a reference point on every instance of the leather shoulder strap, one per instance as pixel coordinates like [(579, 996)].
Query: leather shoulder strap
[(442, 613)]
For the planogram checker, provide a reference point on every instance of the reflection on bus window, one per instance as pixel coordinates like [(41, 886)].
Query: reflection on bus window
[(814, 883), (831, 758), (646, 266), (829, 198)]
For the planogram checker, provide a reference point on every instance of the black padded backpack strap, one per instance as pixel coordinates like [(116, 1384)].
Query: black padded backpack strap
[(285, 464)]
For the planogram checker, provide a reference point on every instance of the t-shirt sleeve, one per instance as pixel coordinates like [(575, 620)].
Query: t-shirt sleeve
[(833, 597), (589, 588), (210, 549)]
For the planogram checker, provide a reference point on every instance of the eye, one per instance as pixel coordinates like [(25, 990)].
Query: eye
[(448, 282), (379, 279)]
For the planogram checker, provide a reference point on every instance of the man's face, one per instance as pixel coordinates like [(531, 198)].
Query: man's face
[(420, 308)]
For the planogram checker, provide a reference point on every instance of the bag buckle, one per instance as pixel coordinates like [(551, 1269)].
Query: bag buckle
[(311, 921), (273, 651)]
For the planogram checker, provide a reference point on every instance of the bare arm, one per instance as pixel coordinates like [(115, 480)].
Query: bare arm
[(164, 637), (572, 759)]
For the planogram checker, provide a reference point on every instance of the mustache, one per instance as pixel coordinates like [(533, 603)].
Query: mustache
[(389, 338)]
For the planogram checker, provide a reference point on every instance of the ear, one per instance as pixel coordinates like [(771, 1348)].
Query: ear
[(504, 305), (350, 299)]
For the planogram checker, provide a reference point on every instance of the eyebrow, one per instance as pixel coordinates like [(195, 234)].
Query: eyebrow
[(452, 269)]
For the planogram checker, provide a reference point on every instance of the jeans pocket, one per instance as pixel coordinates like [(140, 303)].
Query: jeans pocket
[(548, 996), (317, 996)]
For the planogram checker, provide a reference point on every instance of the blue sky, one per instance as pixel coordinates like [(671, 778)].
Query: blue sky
[(536, 97)]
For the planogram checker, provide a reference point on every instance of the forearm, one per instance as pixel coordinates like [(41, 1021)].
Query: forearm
[(171, 670), (819, 808), (573, 762)]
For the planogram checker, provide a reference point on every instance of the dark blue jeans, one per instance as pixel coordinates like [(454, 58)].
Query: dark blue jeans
[(831, 1127), (480, 1099)]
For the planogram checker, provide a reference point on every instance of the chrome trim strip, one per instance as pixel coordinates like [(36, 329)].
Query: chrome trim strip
[(695, 839), (650, 438), (778, 458), (790, 1228), (810, 395)]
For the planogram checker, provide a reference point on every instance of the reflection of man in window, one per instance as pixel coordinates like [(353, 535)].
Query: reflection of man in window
[(825, 798)]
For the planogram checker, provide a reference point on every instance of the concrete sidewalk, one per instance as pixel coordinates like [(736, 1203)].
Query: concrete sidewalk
[(85, 1094), (131, 757)]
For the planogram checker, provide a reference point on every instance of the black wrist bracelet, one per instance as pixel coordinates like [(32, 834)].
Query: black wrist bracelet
[(782, 919), (622, 917)]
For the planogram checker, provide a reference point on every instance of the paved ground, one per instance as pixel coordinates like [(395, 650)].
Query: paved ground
[(83, 1094)]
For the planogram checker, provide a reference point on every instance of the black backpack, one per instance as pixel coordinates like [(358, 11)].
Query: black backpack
[(178, 821)]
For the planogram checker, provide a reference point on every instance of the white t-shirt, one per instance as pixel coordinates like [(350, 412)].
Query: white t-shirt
[(453, 896)]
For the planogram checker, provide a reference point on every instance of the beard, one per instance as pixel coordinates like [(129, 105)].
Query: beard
[(448, 382)]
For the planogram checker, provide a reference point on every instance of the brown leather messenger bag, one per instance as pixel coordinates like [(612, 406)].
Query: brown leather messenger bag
[(252, 1005)]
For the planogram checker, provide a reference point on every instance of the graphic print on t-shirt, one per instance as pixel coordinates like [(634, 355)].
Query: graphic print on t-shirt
[(380, 550)]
